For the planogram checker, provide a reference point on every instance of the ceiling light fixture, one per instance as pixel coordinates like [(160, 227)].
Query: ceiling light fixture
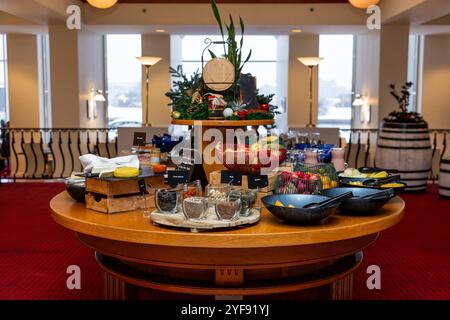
[(160, 30), (363, 4), (296, 30), (102, 4)]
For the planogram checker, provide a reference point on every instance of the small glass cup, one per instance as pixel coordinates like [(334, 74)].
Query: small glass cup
[(314, 139), (217, 193), (248, 200), (193, 189), (195, 208), (168, 200), (228, 210)]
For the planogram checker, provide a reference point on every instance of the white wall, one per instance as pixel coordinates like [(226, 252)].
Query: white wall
[(160, 82), (436, 81), (90, 76), (298, 98), (367, 66), (394, 40), (76, 64), (23, 81)]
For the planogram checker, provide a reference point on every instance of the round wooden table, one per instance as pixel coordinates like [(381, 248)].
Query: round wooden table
[(268, 258)]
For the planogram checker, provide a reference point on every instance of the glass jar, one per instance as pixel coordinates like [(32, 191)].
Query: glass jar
[(338, 159), (248, 200), (228, 210), (216, 193), (195, 208), (168, 200), (311, 156)]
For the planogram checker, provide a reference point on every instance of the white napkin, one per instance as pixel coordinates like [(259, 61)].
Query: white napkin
[(94, 164)]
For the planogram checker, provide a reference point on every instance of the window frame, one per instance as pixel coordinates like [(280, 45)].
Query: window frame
[(4, 61)]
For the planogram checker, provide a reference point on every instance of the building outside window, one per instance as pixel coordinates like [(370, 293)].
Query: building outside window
[(3, 79), (124, 79), (336, 81)]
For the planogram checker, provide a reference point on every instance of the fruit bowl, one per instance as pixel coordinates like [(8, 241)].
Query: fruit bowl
[(247, 160), (399, 187)]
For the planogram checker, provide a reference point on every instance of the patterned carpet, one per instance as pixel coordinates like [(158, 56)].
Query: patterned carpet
[(35, 252)]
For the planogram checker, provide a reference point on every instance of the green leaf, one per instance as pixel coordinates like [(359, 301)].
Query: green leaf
[(213, 55), (242, 26), (217, 15)]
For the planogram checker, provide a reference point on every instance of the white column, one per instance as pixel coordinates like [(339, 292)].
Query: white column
[(23, 78), (298, 98), (160, 82), (394, 40)]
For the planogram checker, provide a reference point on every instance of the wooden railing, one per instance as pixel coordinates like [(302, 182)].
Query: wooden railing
[(361, 147), (37, 153)]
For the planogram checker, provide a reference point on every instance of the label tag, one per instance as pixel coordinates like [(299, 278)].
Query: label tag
[(176, 177), (142, 187), (227, 176), (257, 181), (139, 138)]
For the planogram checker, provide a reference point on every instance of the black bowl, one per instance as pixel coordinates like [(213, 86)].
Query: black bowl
[(345, 183), (298, 214), (76, 190), (356, 205)]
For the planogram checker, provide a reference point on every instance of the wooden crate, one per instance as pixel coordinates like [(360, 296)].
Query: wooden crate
[(215, 179), (120, 195), (122, 204)]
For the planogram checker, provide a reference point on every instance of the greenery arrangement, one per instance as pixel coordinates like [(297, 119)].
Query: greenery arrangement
[(403, 99), (189, 95)]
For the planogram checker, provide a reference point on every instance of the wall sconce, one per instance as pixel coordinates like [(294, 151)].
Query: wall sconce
[(365, 109), (95, 96)]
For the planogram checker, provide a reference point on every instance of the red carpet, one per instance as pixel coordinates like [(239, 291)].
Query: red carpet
[(35, 252)]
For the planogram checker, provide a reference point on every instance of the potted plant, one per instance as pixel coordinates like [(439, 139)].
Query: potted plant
[(403, 115)]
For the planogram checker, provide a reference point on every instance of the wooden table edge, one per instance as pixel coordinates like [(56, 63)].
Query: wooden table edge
[(223, 123), (169, 237)]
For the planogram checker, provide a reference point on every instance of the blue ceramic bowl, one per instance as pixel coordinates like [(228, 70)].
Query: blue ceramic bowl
[(298, 214), (356, 205)]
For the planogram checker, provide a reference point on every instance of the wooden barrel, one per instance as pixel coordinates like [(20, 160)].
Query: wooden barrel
[(406, 147), (444, 179)]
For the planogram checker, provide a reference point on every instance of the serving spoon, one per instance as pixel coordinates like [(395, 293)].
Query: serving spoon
[(327, 202), (388, 192), (378, 182)]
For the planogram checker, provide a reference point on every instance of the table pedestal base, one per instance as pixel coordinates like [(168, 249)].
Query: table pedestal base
[(332, 280)]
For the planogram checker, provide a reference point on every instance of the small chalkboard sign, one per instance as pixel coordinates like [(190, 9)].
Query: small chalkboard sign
[(176, 177), (139, 138), (257, 181), (234, 178)]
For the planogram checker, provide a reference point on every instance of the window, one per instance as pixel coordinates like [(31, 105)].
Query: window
[(3, 79), (44, 83), (336, 81), (263, 64), (415, 60), (268, 63), (124, 78)]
